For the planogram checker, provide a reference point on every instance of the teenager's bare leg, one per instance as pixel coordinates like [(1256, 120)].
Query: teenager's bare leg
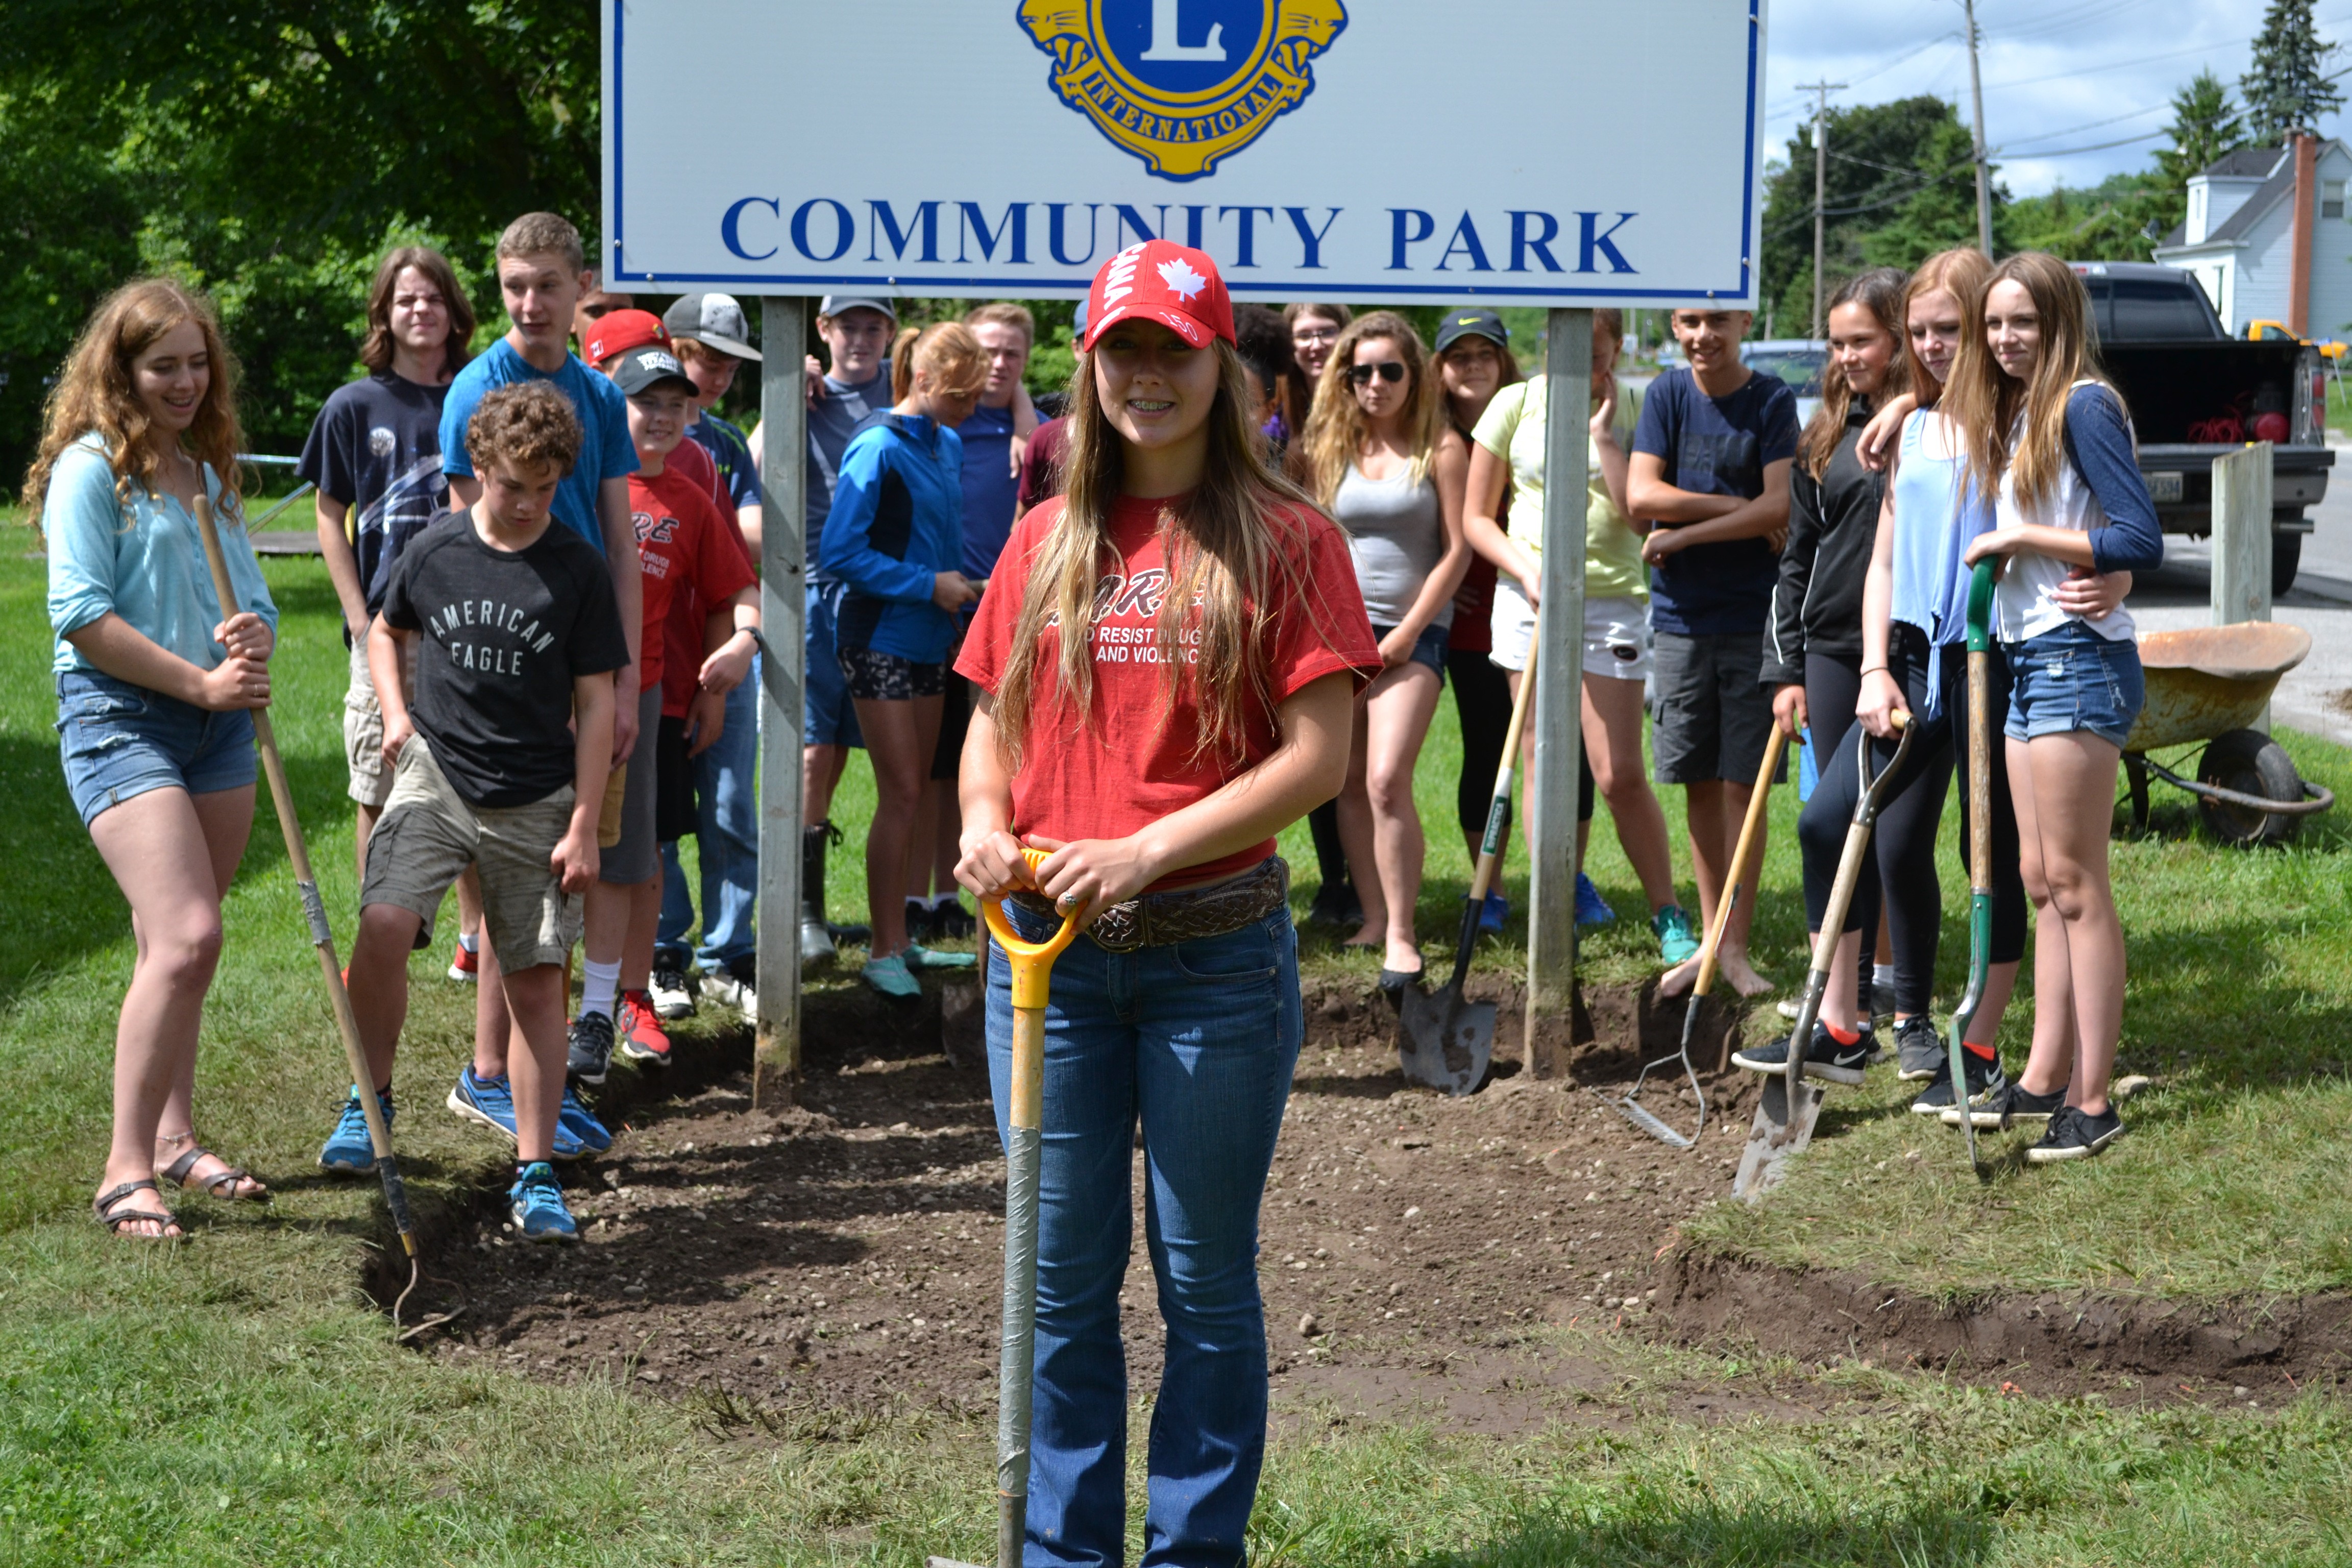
[(1612, 742), (821, 770), (363, 821), (378, 981), (899, 738), (2001, 984), (2071, 779), (470, 904), (536, 998), (645, 925), (172, 855), (1717, 808), (604, 921), (1380, 822), (496, 1036)]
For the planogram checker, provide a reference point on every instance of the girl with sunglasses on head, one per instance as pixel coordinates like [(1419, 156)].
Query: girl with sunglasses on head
[(2048, 438), (1313, 331), (1387, 466), (1165, 666)]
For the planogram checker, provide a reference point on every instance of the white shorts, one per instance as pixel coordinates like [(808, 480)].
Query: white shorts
[(1616, 633)]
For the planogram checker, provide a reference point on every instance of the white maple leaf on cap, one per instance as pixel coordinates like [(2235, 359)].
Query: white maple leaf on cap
[(1178, 276)]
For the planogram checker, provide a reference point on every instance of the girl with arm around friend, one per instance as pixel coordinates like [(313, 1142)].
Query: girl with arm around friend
[(156, 681), (1165, 667)]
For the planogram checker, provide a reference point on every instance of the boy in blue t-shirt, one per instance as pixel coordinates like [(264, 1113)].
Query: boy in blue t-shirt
[(1709, 473), (542, 273)]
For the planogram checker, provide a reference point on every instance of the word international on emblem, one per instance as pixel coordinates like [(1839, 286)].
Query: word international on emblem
[(1180, 105)]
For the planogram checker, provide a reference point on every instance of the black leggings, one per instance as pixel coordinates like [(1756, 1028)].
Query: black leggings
[(1905, 842)]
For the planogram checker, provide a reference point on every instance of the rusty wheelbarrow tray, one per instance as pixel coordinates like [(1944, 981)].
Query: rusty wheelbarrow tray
[(2211, 684)]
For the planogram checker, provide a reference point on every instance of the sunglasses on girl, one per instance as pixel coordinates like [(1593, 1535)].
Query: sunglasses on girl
[(1388, 370)]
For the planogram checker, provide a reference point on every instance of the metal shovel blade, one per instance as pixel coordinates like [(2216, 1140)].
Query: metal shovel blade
[(1443, 1041), (946, 1562), (1780, 1130)]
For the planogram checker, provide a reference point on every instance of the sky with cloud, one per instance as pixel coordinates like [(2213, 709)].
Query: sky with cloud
[(2075, 89)]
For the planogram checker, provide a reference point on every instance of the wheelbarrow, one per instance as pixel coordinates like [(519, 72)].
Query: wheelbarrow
[(2211, 684)]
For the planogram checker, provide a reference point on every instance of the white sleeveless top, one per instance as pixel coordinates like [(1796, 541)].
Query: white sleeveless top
[(2022, 601)]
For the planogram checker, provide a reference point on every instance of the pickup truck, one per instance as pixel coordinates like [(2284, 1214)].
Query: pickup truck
[(2186, 380)]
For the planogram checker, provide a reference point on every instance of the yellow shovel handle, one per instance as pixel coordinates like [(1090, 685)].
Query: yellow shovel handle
[(1032, 969)]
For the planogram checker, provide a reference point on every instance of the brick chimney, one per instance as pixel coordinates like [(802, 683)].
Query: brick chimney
[(2306, 147)]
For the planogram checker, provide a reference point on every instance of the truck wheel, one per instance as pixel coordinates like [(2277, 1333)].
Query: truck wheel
[(2287, 556), (2250, 763)]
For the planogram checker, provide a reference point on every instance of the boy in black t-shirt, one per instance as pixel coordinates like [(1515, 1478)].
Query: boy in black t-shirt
[(500, 764), (1709, 473)]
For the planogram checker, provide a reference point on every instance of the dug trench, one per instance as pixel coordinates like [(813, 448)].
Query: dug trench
[(1419, 1255)]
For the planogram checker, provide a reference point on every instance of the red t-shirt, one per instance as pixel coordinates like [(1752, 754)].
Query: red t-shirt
[(1474, 602), (685, 548), (1041, 465), (1107, 775), (688, 613)]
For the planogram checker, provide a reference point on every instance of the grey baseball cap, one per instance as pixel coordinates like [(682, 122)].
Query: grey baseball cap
[(715, 321), (839, 304)]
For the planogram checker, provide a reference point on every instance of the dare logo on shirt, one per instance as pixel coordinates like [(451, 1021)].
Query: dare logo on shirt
[(1127, 619)]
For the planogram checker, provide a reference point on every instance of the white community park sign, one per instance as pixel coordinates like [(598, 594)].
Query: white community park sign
[(1561, 152)]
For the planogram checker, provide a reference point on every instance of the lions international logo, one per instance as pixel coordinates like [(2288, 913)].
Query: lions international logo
[(1183, 83)]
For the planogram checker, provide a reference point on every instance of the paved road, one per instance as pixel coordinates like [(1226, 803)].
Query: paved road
[(2312, 695)]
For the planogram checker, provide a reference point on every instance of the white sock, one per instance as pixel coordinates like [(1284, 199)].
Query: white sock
[(603, 984), (942, 900), (471, 943)]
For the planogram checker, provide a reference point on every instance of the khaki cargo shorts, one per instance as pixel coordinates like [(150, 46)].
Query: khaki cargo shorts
[(429, 835), (371, 783)]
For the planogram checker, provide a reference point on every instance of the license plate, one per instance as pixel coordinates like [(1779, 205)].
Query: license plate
[(2163, 488)]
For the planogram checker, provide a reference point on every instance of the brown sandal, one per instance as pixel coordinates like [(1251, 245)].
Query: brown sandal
[(176, 1172), (107, 1207)]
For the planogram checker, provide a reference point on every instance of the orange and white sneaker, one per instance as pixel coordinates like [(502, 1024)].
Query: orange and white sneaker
[(466, 964), (642, 1038)]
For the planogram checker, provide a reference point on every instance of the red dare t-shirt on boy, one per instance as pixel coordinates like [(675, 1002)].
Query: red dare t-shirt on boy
[(685, 545), (1126, 766)]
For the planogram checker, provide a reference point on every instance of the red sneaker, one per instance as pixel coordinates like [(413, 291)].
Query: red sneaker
[(466, 965), (642, 1036)]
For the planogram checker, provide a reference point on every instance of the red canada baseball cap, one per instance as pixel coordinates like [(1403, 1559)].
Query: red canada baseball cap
[(618, 332), (1161, 281)]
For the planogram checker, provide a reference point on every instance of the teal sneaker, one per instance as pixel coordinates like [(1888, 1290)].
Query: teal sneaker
[(347, 1152), (489, 1102), (579, 1123), (916, 957), (889, 976), (536, 1202), (1677, 942)]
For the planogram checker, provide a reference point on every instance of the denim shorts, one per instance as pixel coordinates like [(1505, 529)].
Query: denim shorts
[(2070, 678), (1428, 648), (117, 741), (828, 716)]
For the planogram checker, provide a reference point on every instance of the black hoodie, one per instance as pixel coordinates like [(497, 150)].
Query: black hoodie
[(1833, 526)]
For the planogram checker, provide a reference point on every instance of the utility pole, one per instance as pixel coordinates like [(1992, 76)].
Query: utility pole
[(1821, 89), (1984, 178)]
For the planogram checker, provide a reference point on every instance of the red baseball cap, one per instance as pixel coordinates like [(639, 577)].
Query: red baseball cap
[(1161, 281), (618, 332)]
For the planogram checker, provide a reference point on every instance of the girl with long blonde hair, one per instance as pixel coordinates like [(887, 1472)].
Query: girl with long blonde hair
[(895, 539), (156, 680), (1165, 664), (1389, 466), (2049, 439)]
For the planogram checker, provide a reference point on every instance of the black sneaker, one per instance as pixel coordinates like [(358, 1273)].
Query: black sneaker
[(918, 921), (1985, 1080), (2013, 1103), (1919, 1051), (951, 921), (1826, 1059), (1329, 907), (2075, 1134), (592, 1049)]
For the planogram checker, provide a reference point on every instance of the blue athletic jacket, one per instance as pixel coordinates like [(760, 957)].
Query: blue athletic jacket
[(897, 521)]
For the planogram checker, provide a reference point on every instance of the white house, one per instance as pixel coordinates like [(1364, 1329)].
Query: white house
[(2241, 236)]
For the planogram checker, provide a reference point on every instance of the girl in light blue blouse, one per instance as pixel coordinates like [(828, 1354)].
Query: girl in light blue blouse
[(156, 681)]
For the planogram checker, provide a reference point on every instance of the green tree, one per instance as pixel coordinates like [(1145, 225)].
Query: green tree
[(2205, 125), (2288, 87)]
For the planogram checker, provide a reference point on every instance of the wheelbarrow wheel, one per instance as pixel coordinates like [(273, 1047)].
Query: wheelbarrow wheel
[(2250, 763)]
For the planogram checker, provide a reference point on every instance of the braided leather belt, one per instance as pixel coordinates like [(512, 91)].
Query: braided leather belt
[(1182, 914)]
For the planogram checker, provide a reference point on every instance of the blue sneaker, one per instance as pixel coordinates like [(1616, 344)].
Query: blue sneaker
[(1494, 912), (536, 1202), (489, 1102), (347, 1152), (581, 1125), (1592, 909)]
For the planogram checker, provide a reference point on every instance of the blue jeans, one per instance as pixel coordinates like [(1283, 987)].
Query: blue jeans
[(727, 839), (1199, 1041)]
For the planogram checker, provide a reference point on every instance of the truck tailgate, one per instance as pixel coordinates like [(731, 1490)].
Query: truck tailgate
[(2179, 477)]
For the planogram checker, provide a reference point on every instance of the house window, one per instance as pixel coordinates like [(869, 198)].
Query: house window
[(2331, 198)]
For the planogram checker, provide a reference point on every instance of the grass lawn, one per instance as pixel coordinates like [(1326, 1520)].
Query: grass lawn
[(236, 1400)]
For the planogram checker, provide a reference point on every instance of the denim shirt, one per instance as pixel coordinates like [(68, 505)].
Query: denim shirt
[(143, 559)]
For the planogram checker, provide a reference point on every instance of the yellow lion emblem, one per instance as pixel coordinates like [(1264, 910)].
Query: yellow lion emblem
[(1182, 83)]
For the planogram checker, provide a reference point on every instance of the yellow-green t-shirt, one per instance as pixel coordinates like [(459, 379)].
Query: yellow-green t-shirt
[(1512, 429)]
